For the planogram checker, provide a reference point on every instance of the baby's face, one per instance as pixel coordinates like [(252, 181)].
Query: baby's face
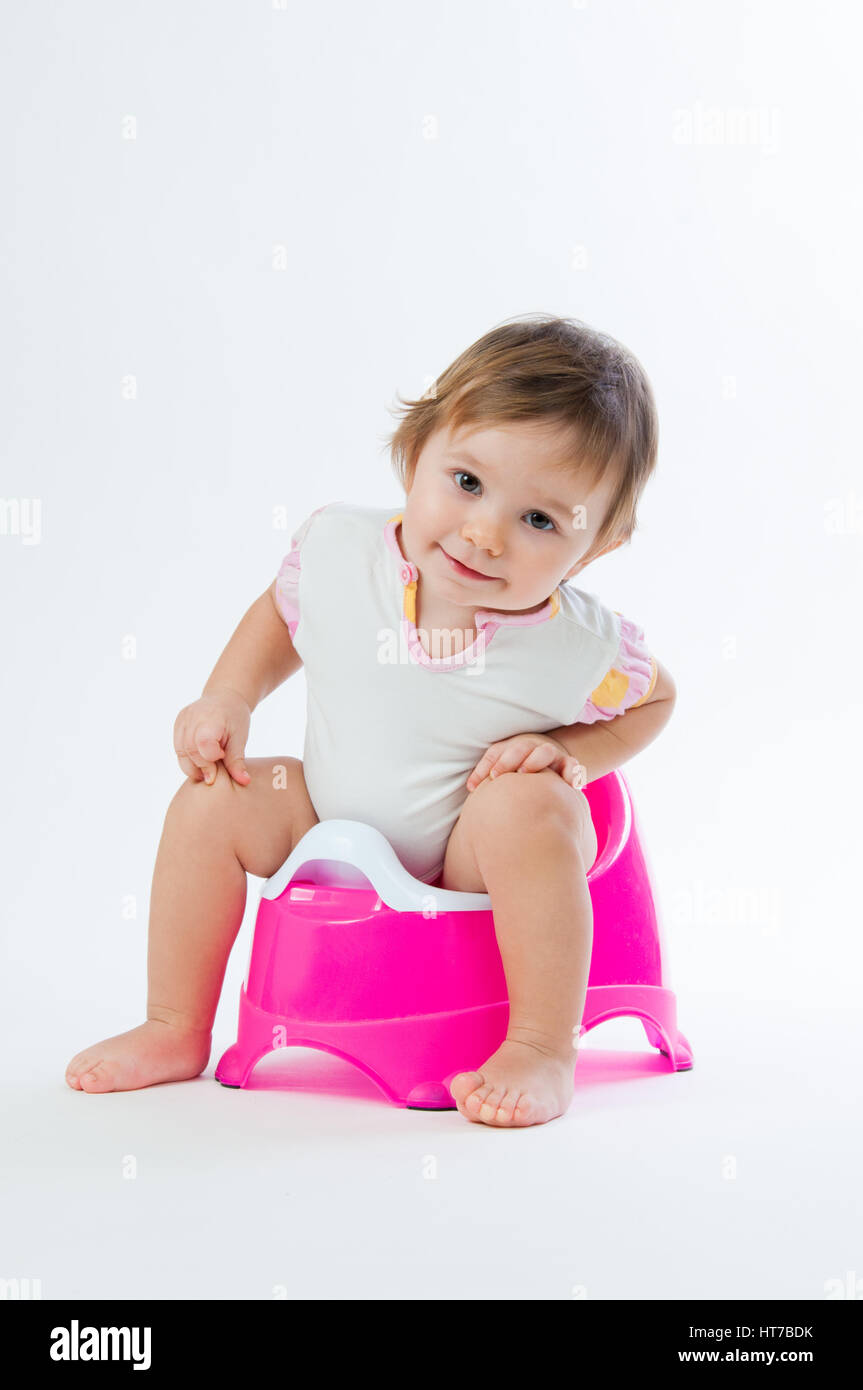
[(493, 500)]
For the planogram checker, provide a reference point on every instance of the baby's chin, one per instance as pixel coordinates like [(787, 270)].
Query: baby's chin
[(512, 602)]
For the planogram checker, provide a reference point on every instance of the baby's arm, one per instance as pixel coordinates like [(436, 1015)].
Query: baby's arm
[(606, 745), (259, 657)]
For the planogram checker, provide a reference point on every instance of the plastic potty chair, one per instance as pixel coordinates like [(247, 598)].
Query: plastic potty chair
[(353, 955)]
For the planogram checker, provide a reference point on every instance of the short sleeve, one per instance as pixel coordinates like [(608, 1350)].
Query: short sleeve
[(288, 578), (629, 681)]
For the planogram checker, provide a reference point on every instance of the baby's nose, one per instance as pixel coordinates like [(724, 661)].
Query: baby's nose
[(483, 537)]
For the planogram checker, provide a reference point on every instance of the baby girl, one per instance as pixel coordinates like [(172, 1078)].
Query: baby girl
[(445, 654)]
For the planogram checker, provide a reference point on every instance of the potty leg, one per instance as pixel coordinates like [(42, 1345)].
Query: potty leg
[(656, 1008)]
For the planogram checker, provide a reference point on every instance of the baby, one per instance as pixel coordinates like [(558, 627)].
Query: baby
[(445, 655)]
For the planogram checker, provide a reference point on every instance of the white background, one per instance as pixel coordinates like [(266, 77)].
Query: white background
[(321, 207)]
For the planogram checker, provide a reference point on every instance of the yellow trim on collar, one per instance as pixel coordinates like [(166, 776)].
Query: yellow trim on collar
[(409, 605)]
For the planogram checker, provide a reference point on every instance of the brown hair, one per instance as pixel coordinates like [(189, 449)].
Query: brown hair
[(541, 367)]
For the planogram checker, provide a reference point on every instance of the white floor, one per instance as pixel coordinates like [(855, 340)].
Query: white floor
[(737, 1179)]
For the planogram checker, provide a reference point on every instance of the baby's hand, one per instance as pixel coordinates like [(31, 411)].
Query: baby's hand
[(527, 753), (214, 727)]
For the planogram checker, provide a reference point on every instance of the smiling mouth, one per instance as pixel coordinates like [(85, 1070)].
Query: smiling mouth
[(466, 570)]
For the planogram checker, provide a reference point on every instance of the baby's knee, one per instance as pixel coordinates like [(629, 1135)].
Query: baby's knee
[(532, 799), (201, 799)]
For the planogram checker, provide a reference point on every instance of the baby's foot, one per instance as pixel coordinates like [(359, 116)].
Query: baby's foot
[(145, 1056), (518, 1085)]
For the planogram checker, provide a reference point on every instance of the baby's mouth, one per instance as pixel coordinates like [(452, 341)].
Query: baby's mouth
[(465, 570)]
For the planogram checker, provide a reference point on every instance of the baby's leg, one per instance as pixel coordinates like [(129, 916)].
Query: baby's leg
[(212, 835), (527, 839)]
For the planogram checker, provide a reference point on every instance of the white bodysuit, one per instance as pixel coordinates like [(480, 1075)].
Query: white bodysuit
[(391, 733)]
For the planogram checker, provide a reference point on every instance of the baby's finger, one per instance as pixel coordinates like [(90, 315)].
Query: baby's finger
[(207, 754), (511, 757), (482, 768), (538, 758), (235, 763), (205, 771), (192, 772), (575, 773), (207, 746)]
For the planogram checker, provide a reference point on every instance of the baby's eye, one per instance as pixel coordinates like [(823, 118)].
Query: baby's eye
[(544, 518), (460, 473)]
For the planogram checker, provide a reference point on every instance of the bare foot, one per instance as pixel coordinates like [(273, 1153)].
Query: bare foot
[(145, 1056), (519, 1085)]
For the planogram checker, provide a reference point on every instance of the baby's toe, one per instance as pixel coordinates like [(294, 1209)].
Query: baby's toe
[(524, 1109), (502, 1107), (508, 1110), (96, 1078), (78, 1065), (488, 1111), (475, 1101), (465, 1085)]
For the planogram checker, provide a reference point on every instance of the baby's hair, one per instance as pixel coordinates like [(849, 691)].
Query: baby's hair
[(539, 367)]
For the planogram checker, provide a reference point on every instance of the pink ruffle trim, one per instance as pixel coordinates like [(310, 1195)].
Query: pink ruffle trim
[(288, 578), (634, 662), (288, 590)]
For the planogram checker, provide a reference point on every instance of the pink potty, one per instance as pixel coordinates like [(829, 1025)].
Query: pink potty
[(356, 957)]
